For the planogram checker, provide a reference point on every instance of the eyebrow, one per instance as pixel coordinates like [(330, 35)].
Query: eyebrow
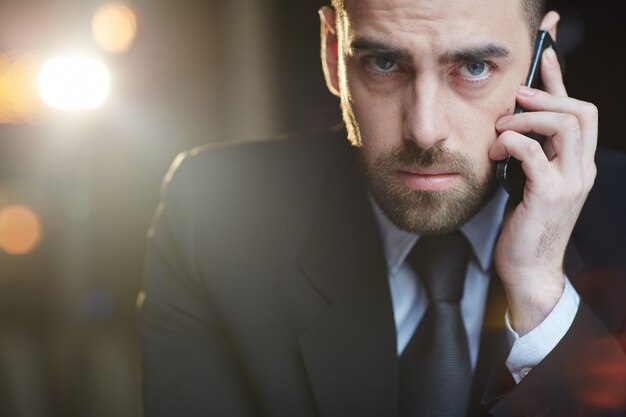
[(369, 46), (476, 53)]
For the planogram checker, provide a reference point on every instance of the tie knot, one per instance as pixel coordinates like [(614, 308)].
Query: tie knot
[(440, 262)]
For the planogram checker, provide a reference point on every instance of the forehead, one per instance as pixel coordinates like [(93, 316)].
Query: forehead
[(443, 23)]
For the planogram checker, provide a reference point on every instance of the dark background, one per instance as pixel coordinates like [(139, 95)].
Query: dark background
[(199, 71)]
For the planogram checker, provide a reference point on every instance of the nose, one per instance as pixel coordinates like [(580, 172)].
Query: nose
[(425, 118)]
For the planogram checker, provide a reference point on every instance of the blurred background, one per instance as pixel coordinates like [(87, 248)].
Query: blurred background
[(97, 98)]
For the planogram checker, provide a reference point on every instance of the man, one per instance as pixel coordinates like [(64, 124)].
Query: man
[(280, 279)]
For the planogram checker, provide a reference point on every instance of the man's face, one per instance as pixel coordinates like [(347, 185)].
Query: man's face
[(422, 83)]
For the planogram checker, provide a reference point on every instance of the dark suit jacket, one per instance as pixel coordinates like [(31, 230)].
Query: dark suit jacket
[(267, 295)]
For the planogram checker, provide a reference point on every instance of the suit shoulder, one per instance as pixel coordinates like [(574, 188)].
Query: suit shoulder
[(312, 147), (253, 162), (260, 177)]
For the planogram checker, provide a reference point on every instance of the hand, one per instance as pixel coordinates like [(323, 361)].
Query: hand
[(529, 253)]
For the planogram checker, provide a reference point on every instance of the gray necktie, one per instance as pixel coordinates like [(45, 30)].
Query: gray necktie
[(435, 370)]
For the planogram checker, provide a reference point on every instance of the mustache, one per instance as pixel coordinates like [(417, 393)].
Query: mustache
[(411, 155)]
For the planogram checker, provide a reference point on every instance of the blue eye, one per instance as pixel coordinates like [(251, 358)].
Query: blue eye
[(475, 69), (383, 64)]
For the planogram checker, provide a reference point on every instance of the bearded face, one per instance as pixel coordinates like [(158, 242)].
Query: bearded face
[(421, 84), (427, 212)]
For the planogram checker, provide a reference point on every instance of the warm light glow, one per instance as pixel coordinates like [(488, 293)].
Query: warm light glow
[(114, 27), (19, 101), (20, 230), (74, 83)]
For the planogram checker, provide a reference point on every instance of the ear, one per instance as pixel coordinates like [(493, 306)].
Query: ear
[(550, 22), (329, 49)]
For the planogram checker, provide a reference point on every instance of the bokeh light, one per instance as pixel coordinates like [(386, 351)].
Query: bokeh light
[(20, 230), (74, 83), (114, 27), (19, 100)]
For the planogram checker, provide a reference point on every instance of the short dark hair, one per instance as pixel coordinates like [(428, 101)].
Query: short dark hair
[(533, 10)]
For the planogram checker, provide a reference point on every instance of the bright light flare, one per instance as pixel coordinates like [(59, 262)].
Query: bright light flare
[(74, 83), (114, 27), (20, 230)]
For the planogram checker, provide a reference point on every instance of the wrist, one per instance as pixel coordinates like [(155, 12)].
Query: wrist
[(531, 302)]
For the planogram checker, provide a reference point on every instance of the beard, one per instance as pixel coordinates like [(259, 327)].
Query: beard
[(428, 212)]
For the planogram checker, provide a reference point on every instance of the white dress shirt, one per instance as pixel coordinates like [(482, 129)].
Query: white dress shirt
[(410, 300)]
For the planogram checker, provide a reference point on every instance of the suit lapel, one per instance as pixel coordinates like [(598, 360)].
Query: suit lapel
[(491, 373), (350, 350)]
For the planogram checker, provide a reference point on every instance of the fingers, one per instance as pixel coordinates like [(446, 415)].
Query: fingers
[(586, 114), (549, 23), (567, 158), (562, 131), (546, 181), (534, 161), (551, 74)]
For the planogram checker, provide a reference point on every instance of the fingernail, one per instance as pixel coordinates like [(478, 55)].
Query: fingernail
[(527, 91), (551, 56), (504, 120)]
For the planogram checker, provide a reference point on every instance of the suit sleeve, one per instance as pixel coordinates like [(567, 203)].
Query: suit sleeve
[(585, 375), (188, 365), (529, 350)]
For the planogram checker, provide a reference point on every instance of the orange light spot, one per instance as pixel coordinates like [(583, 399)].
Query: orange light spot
[(114, 27), (603, 373), (19, 98), (20, 230)]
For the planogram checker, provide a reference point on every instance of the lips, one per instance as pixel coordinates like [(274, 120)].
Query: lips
[(426, 171), (428, 178)]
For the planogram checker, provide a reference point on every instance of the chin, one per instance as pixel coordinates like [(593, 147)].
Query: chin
[(432, 213)]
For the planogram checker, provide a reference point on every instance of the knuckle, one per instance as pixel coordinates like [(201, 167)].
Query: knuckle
[(534, 149), (570, 122), (591, 110)]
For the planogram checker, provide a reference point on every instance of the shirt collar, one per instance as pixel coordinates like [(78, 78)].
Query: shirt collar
[(481, 231)]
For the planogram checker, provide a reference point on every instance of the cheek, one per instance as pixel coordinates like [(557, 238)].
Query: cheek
[(378, 119), (475, 126), (482, 114)]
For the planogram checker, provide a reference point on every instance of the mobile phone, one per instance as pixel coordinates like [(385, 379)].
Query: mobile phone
[(509, 171)]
